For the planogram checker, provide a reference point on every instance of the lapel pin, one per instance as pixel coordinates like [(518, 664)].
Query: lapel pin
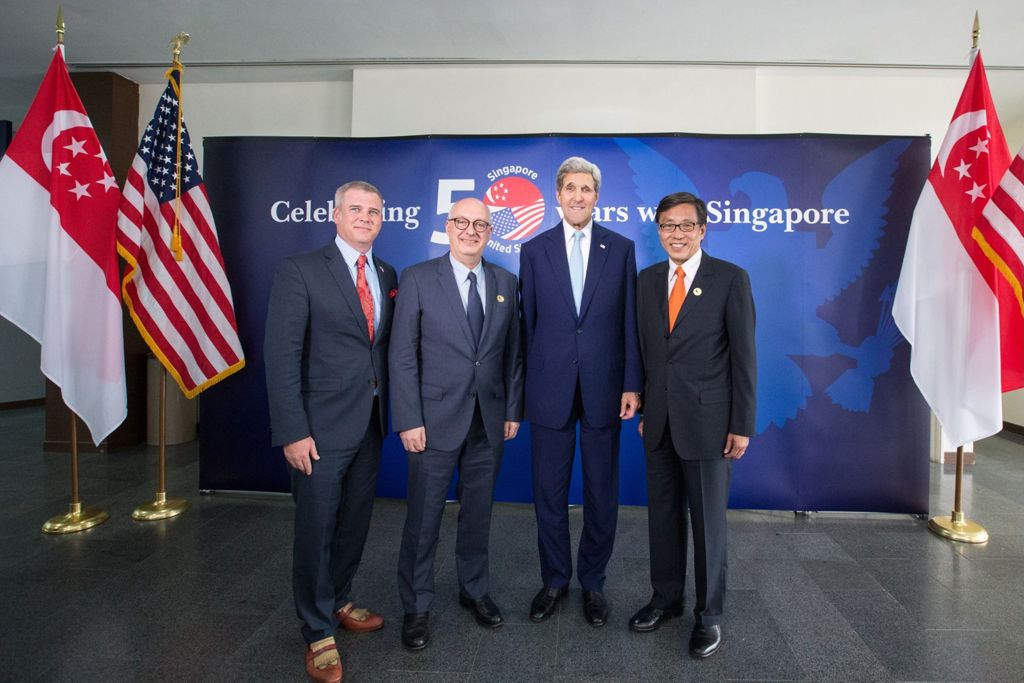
[(697, 291), (501, 299), (602, 246)]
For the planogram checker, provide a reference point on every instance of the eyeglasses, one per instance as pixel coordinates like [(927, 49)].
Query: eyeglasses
[(464, 223), (685, 226)]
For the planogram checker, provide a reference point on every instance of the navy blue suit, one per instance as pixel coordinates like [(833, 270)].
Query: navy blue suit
[(325, 379), (577, 368)]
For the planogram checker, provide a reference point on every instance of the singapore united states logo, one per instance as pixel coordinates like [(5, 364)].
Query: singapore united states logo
[(516, 204)]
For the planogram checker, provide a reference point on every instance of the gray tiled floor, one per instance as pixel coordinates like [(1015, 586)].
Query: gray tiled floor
[(206, 597)]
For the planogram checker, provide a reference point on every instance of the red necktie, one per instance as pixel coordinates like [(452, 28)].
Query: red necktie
[(675, 299), (365, 298)]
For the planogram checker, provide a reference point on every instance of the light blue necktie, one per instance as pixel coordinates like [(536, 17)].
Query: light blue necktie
[(576, 269)]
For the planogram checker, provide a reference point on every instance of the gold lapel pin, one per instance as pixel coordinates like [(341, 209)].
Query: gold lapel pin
[(697, 291), (501, 299)]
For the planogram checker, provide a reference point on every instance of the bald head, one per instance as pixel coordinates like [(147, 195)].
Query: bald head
[(468, 228)]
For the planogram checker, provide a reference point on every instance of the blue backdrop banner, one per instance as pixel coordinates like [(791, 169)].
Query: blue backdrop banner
[(819, 221)]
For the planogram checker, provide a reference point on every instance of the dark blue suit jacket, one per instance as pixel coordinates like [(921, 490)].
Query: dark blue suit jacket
[(599, 348), (322, 370)]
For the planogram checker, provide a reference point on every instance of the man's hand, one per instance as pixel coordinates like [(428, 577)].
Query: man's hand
[(640, 427), (735, 446), (414, 440), (630, 404), (300, 455), (511, 429)]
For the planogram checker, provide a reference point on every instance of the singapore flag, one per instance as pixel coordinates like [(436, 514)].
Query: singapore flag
[(58, 264)]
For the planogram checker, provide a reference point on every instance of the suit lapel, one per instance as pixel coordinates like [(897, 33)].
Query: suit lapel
[(703, 283), (339, 271), (492, 294), (450, 292), (559, 262), (595, 264), (387, 304)]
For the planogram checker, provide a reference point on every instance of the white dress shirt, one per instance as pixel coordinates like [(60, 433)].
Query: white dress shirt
[(690, 267), (351, 257), (586, 231), (462, 281)]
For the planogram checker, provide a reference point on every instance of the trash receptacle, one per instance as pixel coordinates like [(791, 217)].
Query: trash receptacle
[(181, 411)]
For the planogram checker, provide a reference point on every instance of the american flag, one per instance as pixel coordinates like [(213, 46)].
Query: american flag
[(182, 306), (517, 207)]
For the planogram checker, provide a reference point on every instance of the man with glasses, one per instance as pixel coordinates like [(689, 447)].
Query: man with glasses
[(696, 317), (328, 324), (582, 368), (456, 396)]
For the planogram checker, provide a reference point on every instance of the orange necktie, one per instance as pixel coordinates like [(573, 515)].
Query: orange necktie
[(675, 299)]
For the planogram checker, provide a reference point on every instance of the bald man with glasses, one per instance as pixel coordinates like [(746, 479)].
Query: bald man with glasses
[(456, 396)]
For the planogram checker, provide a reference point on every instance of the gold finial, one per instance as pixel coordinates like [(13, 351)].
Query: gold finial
[(975, 32), (176, 44), (60, 25)]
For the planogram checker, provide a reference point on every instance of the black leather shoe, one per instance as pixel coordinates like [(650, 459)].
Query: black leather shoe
[(545, 602), (705, 641), (486, 612), (649, 618), (415, 633), (595, 608)]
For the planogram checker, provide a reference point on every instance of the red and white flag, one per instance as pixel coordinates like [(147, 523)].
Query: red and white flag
[(954, 303), (175, 287), (58, 264)]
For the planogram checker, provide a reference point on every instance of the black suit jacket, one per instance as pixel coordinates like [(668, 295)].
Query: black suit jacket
[(701, 379), (322, 370)]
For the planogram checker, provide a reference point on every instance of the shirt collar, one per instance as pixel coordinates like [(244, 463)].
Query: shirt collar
[(461, 271), (569, 230), (350, 253), (690, 265)]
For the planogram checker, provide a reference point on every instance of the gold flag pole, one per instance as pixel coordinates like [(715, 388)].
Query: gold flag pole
[(163, 507), (77, 518), (957, 527)]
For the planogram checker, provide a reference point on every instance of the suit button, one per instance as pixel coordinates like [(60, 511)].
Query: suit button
[(472, 394), (477, 363), (371, 382), (579, 331), (573, 361)]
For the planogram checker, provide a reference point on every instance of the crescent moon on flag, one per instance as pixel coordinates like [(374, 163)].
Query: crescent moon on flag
[(959, 128), (62, 120)]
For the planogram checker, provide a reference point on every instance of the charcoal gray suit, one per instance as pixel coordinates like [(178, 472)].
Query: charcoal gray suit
[(462, 393)]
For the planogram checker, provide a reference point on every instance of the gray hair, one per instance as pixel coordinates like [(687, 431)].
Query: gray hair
[(339, 194), (578, 165)]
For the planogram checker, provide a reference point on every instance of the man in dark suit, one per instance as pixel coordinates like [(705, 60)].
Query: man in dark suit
[(696, 317), (457, 385), (583, 366), (328, 326)]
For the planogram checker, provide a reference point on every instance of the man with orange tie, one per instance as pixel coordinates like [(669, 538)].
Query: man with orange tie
[(696, 327), (328, 327)]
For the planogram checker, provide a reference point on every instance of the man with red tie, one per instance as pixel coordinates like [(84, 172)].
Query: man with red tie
[(696, 316), (328, 327)]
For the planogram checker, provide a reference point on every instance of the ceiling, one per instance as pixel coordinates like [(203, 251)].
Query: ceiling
[(234, 40)]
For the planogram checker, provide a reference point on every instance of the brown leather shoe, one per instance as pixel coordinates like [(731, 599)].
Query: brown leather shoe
[(358, 620), (327, 673)]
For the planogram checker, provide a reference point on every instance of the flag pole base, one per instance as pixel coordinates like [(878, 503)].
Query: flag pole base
[(956, 528), (161, 508), (77, 519)]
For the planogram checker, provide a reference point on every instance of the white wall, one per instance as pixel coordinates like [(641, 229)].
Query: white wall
[(694, 99), (320, 109)]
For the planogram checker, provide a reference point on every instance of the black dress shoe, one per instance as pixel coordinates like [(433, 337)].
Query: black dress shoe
[(415, 633), (545, 602), (705, 640), (595, 608), (649, 618), (486, 612)]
